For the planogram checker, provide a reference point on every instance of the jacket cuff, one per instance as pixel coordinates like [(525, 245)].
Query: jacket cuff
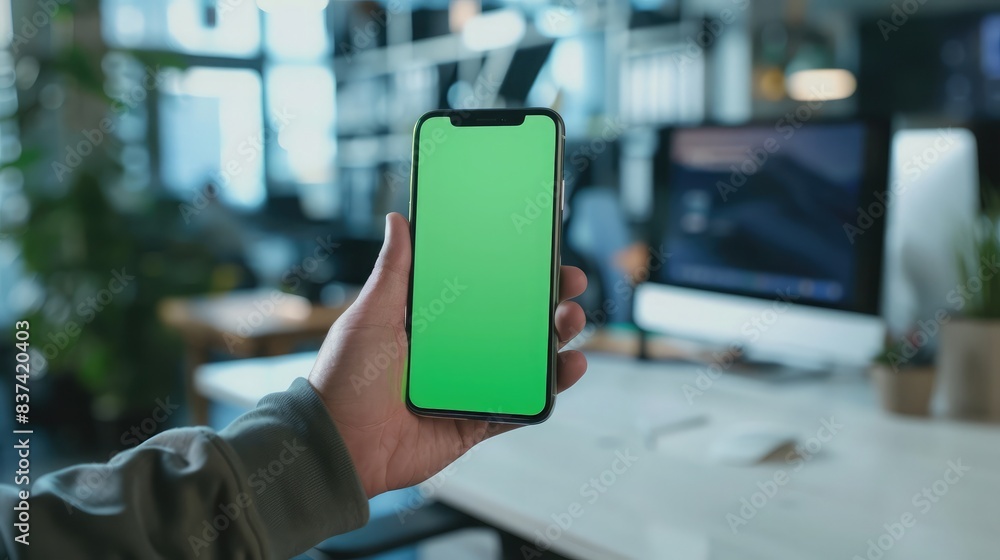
[(296, 470)]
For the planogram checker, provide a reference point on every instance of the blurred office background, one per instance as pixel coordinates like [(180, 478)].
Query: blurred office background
[(186, 182)]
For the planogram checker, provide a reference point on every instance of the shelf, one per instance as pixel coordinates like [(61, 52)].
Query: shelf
[(437, 50)]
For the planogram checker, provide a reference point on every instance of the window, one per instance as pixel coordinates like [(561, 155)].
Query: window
[(201, 27), (211, 130), (253, 112)]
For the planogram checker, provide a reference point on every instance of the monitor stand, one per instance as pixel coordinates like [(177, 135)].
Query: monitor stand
[(739, 364), (775, 372)]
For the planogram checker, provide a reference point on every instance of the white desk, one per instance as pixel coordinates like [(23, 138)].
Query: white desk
[(674, 500)]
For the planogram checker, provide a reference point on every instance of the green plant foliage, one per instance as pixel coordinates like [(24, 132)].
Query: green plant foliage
[(977, 260), (82, 249), (104, 259)]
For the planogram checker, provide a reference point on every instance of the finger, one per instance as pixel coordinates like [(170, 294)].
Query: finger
[(570, 321), (384, 295), (570, 367), (572, 282)]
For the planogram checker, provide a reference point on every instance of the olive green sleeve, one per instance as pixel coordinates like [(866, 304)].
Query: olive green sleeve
[(270, 485)]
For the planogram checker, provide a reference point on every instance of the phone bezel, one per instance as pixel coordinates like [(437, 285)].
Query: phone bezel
[(494, 117)]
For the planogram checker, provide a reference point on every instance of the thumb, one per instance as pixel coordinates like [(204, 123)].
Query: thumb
[(383, 299)]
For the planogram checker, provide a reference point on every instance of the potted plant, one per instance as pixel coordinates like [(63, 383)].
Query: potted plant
[(101, 255), (904, 374), (969, 357)]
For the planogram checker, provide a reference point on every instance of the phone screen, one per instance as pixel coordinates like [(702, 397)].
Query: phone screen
[(483, 212)]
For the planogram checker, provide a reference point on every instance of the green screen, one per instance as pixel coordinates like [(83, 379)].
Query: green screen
[(482, 264)]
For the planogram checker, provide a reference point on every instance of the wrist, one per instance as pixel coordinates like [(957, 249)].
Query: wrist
[(368, 472), (355, 443)]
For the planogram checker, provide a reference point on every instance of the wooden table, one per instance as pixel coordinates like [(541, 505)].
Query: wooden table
[(243, 324)]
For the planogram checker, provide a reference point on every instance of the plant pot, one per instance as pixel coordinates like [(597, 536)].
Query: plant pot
[(969, 370), (906, 390)]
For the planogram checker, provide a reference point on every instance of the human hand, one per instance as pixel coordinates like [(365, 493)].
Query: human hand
[(360, 368)]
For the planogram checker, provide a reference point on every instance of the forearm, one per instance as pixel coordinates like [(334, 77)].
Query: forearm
[(270, 485)]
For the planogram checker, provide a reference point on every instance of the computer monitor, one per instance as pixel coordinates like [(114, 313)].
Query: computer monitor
[(774, 236)]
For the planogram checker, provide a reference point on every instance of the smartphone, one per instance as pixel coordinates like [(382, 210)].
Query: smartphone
[(486, 195)]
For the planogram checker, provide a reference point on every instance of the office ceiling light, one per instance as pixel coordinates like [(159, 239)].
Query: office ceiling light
[(821, 84), (492, 30), (278, 6)]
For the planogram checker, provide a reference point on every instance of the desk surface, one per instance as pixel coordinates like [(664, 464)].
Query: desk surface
[(556, 483)]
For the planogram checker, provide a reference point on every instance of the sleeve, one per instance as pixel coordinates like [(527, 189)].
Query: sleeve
[(276, 481)]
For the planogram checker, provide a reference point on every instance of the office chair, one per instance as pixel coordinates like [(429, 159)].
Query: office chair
[(387, 534)]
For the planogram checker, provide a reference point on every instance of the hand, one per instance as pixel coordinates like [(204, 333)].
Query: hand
[(360, 368)]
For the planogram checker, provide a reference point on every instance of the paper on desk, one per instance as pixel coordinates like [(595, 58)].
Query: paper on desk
[(657, 418)]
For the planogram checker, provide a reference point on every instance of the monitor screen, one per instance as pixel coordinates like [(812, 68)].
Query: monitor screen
[(769, 212)]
